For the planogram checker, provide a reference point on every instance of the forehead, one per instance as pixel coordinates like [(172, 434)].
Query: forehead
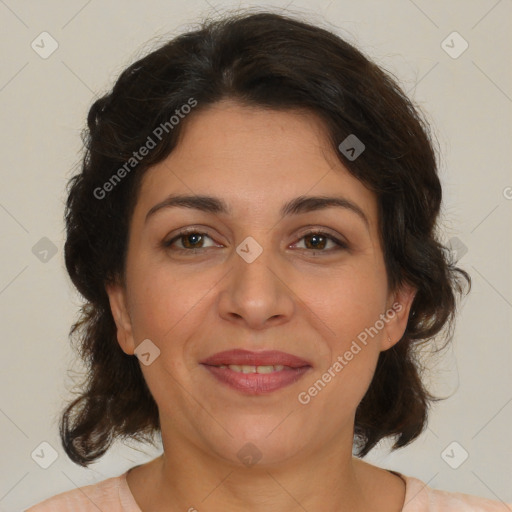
[(255, 159)]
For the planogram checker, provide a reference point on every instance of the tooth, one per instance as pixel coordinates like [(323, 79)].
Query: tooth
[(264, 369), (242, 368), (254, 369)]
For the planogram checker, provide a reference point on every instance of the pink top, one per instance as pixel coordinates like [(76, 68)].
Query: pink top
[(114, 495)]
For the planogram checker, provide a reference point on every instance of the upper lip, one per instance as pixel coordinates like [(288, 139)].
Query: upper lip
[(248, 358)]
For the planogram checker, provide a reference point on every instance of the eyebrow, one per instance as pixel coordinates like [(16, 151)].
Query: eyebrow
[(301, 204)]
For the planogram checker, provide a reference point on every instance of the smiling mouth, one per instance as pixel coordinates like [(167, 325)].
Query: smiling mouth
[(255, 373), (256, 380)]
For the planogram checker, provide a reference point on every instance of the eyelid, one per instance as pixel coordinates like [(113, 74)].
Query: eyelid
[(321, 230), (340, 242), (183, 232)]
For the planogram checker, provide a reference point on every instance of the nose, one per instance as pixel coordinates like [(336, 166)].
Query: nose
[(257, 294)]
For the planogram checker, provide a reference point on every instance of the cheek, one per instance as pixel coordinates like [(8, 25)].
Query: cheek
[(349, 300), (345, 379), (163, 299), (334, 394), (350, 303)]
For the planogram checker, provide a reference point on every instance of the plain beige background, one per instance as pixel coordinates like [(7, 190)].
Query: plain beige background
[(44, 102)]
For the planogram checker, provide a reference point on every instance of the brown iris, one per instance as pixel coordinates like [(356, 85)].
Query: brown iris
[(319, 241)]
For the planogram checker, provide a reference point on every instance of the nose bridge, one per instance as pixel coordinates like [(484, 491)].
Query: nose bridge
[(251, 268), (255, 291)]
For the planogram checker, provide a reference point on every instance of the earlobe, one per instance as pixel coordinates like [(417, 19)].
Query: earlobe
[(117, 298), (398, 315)]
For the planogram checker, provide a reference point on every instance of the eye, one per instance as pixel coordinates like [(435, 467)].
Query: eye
[(318, 240), (189, 240)]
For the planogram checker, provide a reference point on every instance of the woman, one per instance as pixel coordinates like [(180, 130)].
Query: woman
[(253, 229)]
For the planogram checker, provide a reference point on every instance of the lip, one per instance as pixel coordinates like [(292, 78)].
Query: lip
[(246, 357), (256, 383)]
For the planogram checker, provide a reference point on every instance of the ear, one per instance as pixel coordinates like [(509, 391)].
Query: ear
[(117, 298), (397, 314)]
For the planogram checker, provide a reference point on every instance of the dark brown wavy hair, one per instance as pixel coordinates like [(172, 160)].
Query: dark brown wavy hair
[(271, 61)]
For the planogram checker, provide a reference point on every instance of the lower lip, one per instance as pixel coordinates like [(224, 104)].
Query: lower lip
[(257, 383)]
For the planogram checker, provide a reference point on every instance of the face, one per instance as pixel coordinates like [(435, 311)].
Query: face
[(310, 283)]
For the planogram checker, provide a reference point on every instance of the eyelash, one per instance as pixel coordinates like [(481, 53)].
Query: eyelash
[(167, 244)]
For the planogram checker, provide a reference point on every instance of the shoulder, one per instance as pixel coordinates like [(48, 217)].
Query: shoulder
[(104, 495), (421, 498)]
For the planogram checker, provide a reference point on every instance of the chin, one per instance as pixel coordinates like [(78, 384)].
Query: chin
[(260, 441)]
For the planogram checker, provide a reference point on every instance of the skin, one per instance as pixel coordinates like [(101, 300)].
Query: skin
[(196, 304)]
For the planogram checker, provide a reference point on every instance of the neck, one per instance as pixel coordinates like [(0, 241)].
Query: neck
[(187, 478)]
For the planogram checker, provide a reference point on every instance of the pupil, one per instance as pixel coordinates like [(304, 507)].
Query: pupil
[(315, 240), (193, 236)]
